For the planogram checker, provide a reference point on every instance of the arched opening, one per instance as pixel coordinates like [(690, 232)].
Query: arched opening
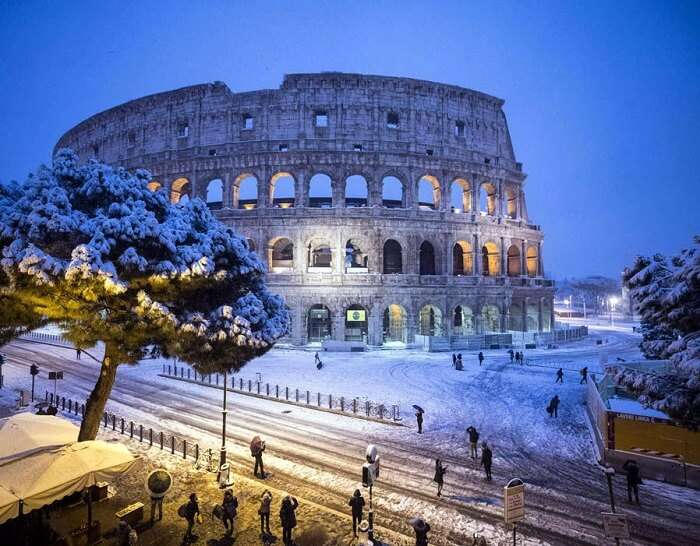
[(282, 255), (180, 191), (355, 259), (318, 323), (428, 193), (355, 191), (320, 191), (515, 317), (533, 317), (487, 198), (490, 266), (320, 256), (427, 259), (511, 202), (356, 323), (462, 321), (460, 196), (546, 316), (430, 321), (490, 318), (532, 261), (154, 185), (462, 259), (392, 192), (282, 190), (393, 262), (215, 193), (513, 261), (395, 324), (245, 192)]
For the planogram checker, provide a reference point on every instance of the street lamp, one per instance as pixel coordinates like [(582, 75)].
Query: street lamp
[(612, 302), (224, 474)]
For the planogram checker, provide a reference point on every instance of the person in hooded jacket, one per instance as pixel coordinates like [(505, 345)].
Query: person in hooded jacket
[(288, 519), (357, 503), (439, 477), (481, 358), (264, 511), (473, 441), (191, 512), (634, 479), (486, 459), (230, 506), (421, 529)]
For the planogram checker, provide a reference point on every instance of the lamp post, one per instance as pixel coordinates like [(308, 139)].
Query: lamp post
[(224, 471)]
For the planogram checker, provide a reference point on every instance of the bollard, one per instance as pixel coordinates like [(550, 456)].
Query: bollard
[(354, 405), (141, 433), (82, 410), (70, 405), (318, 398), (342, 403), (169, 370), (122, 425), (63, 402), (367, 408), (188, 373), (258, 382), (395, 412), (131, 429), (150, 437), (297, 395), (308, 397), (330, 401), (172, 445), (196, 452), (182, 372), (46, 396), (267, 389), (195, 375), (217, 379), (250, 386), (184, 449), (114, 422), (104, 418), (240, 384), (286, 393), (277, 391), (161, 439), (381, 411)]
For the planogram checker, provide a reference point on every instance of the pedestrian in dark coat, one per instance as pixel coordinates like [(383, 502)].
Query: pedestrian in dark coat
[(230, 505), (264, 511), (473, 441), (256, 452), (553, 408), (439, 477), (191, 512), (486, 459), (511, 354), (421, 528), (77, 353), (288, 518), (357, 503), (560, 376), (481, 357), (454, 360), (634, 479), (419, 421), (460, 365), (584, 375)]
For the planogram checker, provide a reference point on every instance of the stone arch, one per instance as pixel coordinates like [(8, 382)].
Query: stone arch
[(356, 257), (490, 318), (546, 325), (356, 323), (395, 324), (281, 255), (356, 191), (154, 185), (513, 266), (533, 317), (430, 321), (245, 191), (460, 195), (488, 198), (393, 192), (532, 261), (319, 323), (511, 198), (320, 191), (463, 320), (319, 254), (462, 258), (427, 259), (428, 192), (180, 191), (283, 190), (215, 193), (515, 317), (490, 259), (392, 257)]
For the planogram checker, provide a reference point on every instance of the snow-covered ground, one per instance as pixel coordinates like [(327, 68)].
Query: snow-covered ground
[(317, 456)]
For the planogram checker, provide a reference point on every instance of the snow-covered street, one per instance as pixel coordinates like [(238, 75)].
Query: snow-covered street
[(317, 456)]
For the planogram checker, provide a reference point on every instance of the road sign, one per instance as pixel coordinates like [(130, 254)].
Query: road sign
[(514, 501), (615, 525), (55, 375)]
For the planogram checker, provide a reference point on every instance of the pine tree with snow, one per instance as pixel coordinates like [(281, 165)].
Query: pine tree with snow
[(91, 249)]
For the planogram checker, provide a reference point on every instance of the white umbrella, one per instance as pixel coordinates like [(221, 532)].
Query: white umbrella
[(27, 433)]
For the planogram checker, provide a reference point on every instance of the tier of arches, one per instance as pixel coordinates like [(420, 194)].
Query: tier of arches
[(325, 189)]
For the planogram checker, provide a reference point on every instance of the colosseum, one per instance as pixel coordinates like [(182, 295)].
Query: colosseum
[(389, 211)]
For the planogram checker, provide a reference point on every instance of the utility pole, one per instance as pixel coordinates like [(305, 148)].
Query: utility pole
[(609, 473)]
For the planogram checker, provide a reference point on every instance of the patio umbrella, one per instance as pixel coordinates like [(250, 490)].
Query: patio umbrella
[(27, 433), (46, 476)]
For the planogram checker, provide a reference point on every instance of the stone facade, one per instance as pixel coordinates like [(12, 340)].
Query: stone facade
[(452, 251)]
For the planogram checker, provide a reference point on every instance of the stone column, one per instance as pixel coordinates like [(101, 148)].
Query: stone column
[(264, 198), (476, 261), (523, 258), (374, 326), (503, 271), (301, 193), (475, 188), (339, 325), (525, 302), (539, 314), (298, 325), (540, 267)]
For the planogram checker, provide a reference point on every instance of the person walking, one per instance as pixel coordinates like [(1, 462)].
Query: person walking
[(481, 358), (634, 479), (560, 376), (357, 503), (191, 513), (511, 354), (454, 360), (419, 421), (584, 375), (257, 447), (288, 519), (553, 408), (77, 354), (421, 529), (439, 477), (264, 511), (230, 505), (473, 441), (486, 459)]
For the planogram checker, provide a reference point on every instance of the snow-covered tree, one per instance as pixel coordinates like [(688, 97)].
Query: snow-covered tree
[(93, 250), (666, 294)]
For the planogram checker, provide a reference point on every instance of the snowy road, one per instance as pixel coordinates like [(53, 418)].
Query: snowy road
[(317, 456)]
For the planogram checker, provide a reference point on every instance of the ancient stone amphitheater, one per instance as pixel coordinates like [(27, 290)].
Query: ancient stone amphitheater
[(388, 210)]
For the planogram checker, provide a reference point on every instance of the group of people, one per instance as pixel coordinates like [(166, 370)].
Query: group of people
[(517, 356), (583, 372)]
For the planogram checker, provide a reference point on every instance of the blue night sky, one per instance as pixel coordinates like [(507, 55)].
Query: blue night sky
[(602, 99)]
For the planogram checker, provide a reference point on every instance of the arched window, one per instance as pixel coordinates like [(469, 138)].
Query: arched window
[(355, 259), (395, 324), (430, 321), (490, 266), (392, 192), (460, 196), (512, 202), (215, 193), (487, 198), (429, 193), (427, 259), (462, 259), (245, 192), (356, 323), (154, 185), (282, 255), (463, 321), (355, 191), (180, 191), (491, 318), (282, 190), (318, 323), (393, 262), (532, 261), (320, 191), (320, 255), (513, 261), (515, 317)]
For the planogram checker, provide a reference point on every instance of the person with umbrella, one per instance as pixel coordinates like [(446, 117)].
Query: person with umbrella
[(421, 529), (419, 418), (257, 446), (158, 483), (439, 477)]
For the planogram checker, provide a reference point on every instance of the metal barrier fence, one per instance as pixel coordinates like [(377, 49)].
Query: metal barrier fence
[(358, 406), (48, 338)]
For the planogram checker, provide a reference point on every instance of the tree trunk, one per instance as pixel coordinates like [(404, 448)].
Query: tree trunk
[(95, 405)]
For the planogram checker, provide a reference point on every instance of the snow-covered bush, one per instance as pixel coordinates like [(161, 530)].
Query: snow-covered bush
[(93, 250)]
